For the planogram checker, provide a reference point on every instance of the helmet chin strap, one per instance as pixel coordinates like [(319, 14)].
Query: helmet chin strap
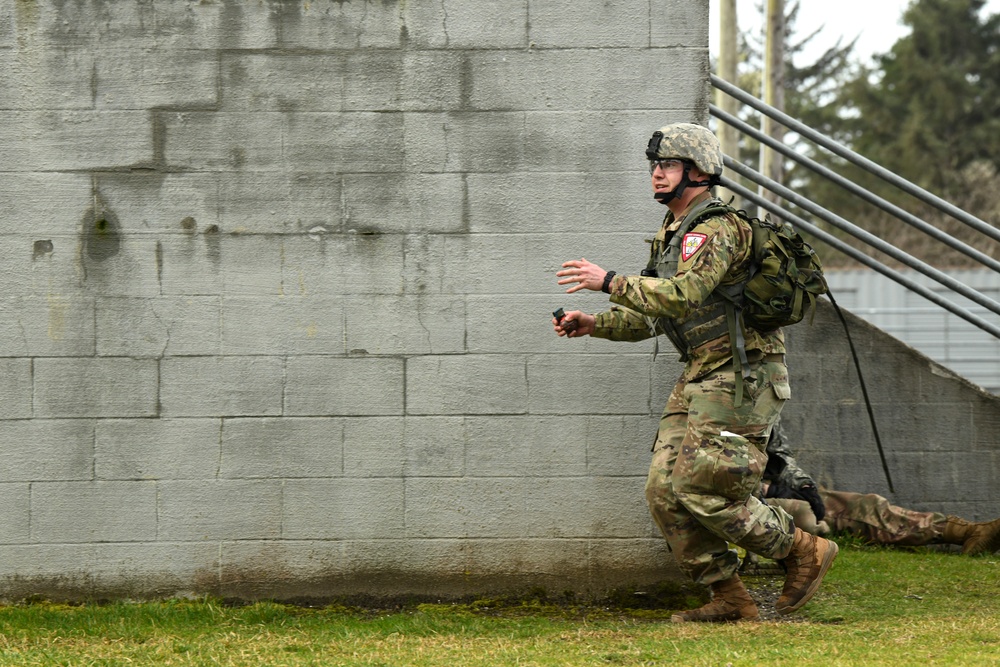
[(678, 192)]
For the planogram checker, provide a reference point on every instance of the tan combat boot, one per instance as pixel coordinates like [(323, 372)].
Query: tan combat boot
[(806, 565), (730, 602), (975, 538)]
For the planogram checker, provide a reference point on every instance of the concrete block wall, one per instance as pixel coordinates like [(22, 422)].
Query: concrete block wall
[(277, 279)]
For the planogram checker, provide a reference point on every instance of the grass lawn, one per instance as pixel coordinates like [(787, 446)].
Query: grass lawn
[(876, 607)]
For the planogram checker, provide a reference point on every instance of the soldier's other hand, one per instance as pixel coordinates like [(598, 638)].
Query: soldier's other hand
[(585, 274), (808, 493), (574, 324)]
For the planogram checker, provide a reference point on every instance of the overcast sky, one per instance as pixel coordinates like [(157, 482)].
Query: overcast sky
[(876, 23)]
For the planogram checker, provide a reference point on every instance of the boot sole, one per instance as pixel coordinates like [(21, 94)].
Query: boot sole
[(831, 553)]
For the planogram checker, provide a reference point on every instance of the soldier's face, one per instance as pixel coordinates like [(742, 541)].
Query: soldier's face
[(666, 174)]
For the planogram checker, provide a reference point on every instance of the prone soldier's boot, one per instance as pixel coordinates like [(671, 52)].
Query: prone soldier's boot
[(805, 565), (730, 602), (975, 538)]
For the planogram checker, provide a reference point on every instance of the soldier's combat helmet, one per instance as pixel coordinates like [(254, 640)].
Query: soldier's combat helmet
[(694, 145)]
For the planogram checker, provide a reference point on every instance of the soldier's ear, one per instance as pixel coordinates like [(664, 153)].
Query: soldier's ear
[(696, 174)]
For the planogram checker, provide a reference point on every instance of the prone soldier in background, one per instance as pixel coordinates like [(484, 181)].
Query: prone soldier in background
[(866, 515)]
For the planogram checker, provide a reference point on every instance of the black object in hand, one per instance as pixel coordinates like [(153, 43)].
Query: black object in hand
[(560, 315)]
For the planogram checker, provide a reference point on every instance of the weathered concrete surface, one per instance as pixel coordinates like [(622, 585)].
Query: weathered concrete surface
[(277, 279)]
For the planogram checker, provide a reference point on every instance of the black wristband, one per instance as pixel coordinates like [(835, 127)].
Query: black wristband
[(606, 287)]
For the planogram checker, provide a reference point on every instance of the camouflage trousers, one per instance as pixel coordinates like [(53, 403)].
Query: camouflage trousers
[(708, 459), (874, 518)]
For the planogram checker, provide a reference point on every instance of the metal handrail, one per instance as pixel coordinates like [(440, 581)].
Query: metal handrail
[(856, 254), (859, 160), (856, 189), (844, 225)]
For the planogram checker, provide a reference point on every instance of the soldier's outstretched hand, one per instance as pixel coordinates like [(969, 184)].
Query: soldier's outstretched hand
[(586, 275)]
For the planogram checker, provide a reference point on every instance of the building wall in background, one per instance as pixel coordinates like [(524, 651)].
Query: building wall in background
[(277, 280)]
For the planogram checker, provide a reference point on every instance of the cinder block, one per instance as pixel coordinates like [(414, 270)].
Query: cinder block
[(75, 140), (223, 25), (251, 265), (601, 140), (48, 79), (405, 325), (684, 25), (592, 24), (93, 511), (619, 446), (401, 80), (466, 384), (561, 203), (75, 24), (280, 203), (343, 509), (465, 142), (282, 448), (329, 24), (424, 25), (582, 79), (525, 446), (7, 25), (468, 507), (374, 447), (129, 449), (44, 450), (320, 386), (405, 203), (358, 262), (615, 563), (584, 507), (15, 388), (216, 510), (123, 570), (222, 140), (95, 387), (158, 204), (500, 24), (423, 263), (617, 384), (130, 269), (432, 81), (50, 206), (156, 78), (293, 325), (345, 142), (279, 569), (191, 264), (435, 446), (15, 520), (221, 386), (471, 263), (282, 82), (172, 326)]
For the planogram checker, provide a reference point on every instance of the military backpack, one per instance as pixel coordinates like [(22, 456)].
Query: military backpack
[(786, 275)]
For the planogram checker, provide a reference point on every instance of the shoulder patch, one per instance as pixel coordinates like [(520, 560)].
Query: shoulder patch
[(690, 244)]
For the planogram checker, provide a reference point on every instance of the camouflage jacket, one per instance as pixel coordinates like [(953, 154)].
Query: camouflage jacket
[(716, 252)]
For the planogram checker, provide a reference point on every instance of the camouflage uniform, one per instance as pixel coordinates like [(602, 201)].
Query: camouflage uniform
[(875, 519), (708, 457), (866, 515)]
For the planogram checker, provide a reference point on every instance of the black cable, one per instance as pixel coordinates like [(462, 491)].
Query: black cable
[(864, 391)]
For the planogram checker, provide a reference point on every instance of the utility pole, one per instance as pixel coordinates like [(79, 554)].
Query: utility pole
[(773, 83), (728, 136)]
